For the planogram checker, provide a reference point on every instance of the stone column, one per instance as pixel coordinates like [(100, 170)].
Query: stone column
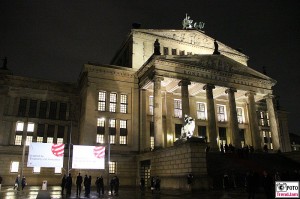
[(158, 130), (253, 122), (185, 97), (273, 122), (211, 116), (233, 121)]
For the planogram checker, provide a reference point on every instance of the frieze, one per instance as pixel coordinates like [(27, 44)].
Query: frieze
[(111, 71)]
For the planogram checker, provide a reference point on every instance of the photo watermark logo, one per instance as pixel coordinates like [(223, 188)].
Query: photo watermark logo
[(286, 189)]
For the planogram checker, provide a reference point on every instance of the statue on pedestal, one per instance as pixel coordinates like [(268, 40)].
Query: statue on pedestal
[(187, 130)]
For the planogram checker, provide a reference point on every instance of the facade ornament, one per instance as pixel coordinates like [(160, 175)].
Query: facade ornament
[(187, 24)]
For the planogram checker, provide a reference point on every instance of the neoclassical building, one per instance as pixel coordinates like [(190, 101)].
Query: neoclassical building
[(135, 106)]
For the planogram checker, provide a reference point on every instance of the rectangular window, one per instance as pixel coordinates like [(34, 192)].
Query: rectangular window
[(28, 140), (62, 111), (221, 113), (50, 133), (36, 169), (178, 131), (52, 111), (22, 107), (30, 127), (242, 136), (60, 134), (32, 108), (267, 119), (181, 52), (40, 132), (112, 131), (151, 107), (112, 167), (151, 136), (112, 102), (100, 130), (18, 140), (101, 101), (174, 52), (201, 111), (20, 126), (43, 109), (166, 51), (14, 167), (202, 131), (240, 115), (123, 132), (177, 108), (123, 103), (57, 170)]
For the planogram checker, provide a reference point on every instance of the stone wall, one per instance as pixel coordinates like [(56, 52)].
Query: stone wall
[(173, 164)]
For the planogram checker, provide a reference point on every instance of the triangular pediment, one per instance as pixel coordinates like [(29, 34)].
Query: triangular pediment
[(197, 39)]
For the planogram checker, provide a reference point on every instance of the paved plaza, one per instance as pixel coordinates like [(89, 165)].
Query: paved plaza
[(54, 192)]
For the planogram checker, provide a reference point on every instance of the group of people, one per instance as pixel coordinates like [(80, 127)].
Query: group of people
[(66, 183), (155, 184), (19, 182)]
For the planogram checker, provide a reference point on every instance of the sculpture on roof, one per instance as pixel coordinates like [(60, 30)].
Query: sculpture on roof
[(216, 51), (187, 23)]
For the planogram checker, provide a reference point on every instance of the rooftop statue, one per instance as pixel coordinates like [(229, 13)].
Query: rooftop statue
[(187, 130), (187, 23)]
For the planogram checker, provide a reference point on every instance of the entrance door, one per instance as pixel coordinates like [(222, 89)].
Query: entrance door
[(145, 171), (222, 136)]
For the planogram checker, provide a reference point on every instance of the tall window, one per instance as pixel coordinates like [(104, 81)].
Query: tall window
[(177, 108), (242, 136), (174, 52), (52, 111), (151, 107), (43, 109), (101, 101), (32, 108), (40, 133), (60, 134), (264, 118), (240, 114), (151, 136), (14, 167), (123, 103), (222, 136), (22, 107), (112, 131), (201, 112), (178, 131), (100, 130), (19, 133), (50, 133), (221, 113), (123, 132), (166, 51), (62, 111), (202, 131), (112, 102), (112, 167)]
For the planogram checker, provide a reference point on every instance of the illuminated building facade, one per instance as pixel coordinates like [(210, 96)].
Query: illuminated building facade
[(135, 106)]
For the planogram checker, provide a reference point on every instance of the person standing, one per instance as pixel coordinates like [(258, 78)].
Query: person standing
[(69, 184), (23, 182), (0, 182), (63, 184), (117, 184), (101, 184), (78, 184), (112, 185), (85, 184), (17, 182)]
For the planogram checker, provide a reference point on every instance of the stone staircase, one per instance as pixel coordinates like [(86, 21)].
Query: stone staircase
[(237, 165)]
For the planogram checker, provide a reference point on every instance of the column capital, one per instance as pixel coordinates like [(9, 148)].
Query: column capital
[(230, 90), (249, 93), (269, 96), (184, 82), (156, 78), (209, 87)]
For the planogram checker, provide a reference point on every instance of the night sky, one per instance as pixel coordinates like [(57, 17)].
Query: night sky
[(52, 39)]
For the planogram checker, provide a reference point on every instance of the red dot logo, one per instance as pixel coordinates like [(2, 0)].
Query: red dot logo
[(99, 151), (58, 150)]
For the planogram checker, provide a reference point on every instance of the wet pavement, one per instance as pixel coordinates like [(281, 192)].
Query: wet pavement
[(54, 192)]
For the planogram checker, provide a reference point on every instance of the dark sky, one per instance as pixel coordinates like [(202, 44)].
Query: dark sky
[(53, 39)]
